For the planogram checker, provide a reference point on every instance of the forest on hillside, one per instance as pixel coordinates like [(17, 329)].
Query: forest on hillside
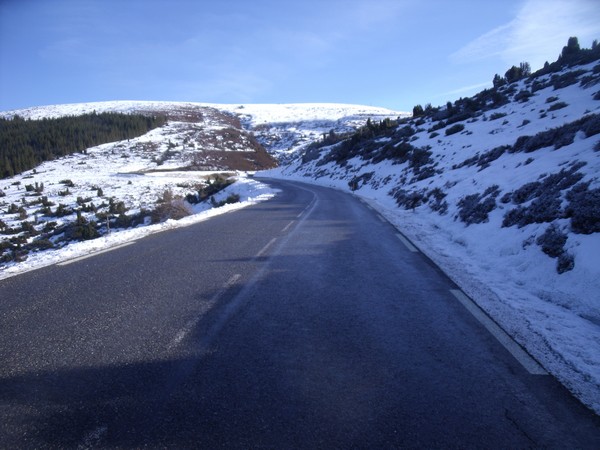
[(24, 144)]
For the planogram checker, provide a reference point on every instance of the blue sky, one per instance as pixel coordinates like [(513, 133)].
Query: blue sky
[(391, 53)]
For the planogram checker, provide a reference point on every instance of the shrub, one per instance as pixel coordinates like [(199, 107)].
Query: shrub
[(454, 129), (40, 244), (544, 208), (584, 209), (526, 192), (557, 105), (205, 192), (558, 137), (552, 241), (233, 198), (497, 115), (566, 79), (476, 207), (523, 96), (591, 125), (81, 229), (437, 126), (408, 199), (175, 209), (437, 202), (565, 262), (418, 158)]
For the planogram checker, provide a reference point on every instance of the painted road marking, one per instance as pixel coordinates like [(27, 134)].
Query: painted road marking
[(265, 248), (81, 258), (407, 243), (530, 364), (287, 226), (181, 334), (383, 219)]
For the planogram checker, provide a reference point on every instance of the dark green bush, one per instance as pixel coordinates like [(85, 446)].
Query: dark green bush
[(552, 241), (556, 106), (454, 129), (584, 209), (565, 263), (475, 208)]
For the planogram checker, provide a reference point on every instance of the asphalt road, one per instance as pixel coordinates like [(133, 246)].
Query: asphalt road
[(301, 322)]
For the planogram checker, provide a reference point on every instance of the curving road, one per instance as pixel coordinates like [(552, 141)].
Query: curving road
[(302, 322)]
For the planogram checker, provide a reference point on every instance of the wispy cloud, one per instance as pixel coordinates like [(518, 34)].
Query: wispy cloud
[(465, 89), (537, 33)]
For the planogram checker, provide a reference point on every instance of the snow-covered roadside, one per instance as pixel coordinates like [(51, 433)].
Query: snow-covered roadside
[(513, 286), (250, 191)]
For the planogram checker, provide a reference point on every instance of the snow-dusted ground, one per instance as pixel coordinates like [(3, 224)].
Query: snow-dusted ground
[(138, 171), (556, 317), (249, 190)]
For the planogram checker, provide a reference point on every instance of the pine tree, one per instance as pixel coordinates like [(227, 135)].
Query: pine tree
[(418, 111), (498, 81)]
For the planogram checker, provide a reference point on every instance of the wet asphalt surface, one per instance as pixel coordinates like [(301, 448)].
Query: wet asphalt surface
[(301, 322)]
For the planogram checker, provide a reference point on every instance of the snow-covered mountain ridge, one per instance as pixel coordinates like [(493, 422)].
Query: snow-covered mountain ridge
[(502, 190), (283, 129)]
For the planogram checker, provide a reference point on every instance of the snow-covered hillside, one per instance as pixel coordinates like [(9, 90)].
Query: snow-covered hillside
[(283, 129), (120, 185), (514, 220), (287, 129)]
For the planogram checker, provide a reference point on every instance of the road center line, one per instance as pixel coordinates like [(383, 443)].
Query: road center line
[(181, 334), (531, 365), (287, 226), (407, 243), (81, 258), (265, 248)]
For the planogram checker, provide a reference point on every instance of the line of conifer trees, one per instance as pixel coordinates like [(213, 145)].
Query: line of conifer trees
[(24, 144)]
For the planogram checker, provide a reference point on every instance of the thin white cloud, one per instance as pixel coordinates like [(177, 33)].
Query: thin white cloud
[(537, 34), (470, 88)]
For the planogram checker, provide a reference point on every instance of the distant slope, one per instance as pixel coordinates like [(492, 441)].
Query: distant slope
[(502, 190), (168, 172), (287, 129), (282, 129), (196, 136), (24, 144)]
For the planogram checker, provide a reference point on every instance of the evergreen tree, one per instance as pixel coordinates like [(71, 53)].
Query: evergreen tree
[(524, 69), (25, 144), (418, 111), (572, 48), (498, 81)]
